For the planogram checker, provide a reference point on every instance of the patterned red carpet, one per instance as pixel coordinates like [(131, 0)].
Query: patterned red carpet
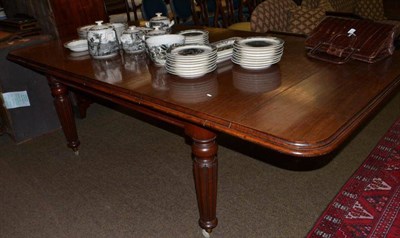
[(368, 205)]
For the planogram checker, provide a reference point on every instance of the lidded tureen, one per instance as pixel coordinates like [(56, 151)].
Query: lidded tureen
[(156, 32), (102, 41), (132, 40), (162, 21)]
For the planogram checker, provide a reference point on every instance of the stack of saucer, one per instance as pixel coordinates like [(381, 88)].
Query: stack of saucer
[(225, 48), (195, 36), (257, 52), (191, 61)]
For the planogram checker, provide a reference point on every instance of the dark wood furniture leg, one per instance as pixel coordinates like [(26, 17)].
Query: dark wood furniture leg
[(205, 170), (2, 128), (65, 113), (81, 103), (3, 116)]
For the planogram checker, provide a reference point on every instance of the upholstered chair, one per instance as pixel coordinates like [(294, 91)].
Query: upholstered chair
[(271, 15), (286, 16)]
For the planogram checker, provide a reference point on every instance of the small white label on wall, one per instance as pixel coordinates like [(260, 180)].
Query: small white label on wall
[(16, 99)]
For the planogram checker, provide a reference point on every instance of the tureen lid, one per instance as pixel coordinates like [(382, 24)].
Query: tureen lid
[(159, 17), (156, 31), (132, 29), (100, 26), (85, 28)]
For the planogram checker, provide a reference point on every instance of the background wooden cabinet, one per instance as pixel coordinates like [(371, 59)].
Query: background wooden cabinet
[(59, 18), (71, 14)]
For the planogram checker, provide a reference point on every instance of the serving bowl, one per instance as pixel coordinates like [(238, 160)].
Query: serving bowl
[(157, 46)]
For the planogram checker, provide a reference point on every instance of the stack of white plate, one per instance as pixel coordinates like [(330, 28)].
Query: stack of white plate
[(225, 48), (191, 61), (195, 36), (257, 52)]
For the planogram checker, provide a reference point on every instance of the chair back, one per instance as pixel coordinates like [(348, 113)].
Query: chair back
[(206, 11), (151, 7), (182, 10), (251, 5), (116, 7), (271, 15), (234, 11), (135, 5)]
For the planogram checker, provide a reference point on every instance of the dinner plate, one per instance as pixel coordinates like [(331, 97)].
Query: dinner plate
[(192, 61), (223, 59), (257, 57), (193, 33), (190, 66), (260, 43), (182, 70), (194, 36), (77, 45), (255, 63), (192, 74), (253, 51), (255, 60), (191, 51)]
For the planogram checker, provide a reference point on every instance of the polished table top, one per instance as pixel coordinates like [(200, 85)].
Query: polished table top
[(300, 106), (307, 107)]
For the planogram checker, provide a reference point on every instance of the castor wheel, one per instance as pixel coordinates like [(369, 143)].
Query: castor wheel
[(206, 234)]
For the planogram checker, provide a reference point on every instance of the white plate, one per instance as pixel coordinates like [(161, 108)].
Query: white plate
[(191, 51), (192, 61), (223, 59), (257, 52), (178, 70), (192, 74), (190, 58), (255, 63), (252, 67), (181, 69), (257, 56), (185, 71), (78, 45), (260, 42), (193, 33), (191, 66), (256, 59)]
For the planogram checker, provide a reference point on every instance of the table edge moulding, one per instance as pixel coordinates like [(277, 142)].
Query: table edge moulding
[(316, 108)]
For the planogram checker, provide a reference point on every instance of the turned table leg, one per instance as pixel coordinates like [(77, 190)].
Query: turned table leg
[(205, 170), (65, 113)]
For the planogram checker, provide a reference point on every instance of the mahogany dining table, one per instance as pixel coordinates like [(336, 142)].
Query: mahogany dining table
[(299, 107)]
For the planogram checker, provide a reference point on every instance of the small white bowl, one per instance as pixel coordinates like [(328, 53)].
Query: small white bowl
[(77, 45), (167, 39)]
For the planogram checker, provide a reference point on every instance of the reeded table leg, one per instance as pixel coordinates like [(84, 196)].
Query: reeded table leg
[(205, 169), (65, 114)]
